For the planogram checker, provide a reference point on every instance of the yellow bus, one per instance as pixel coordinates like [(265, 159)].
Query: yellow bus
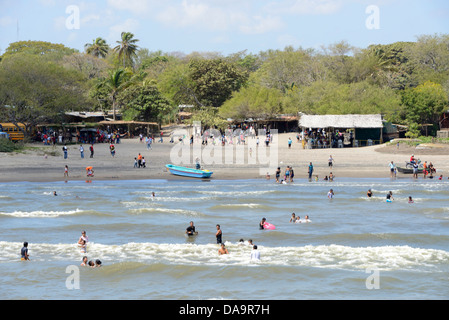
[(15, 134)]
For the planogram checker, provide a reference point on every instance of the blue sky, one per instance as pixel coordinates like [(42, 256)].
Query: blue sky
[(224, 26)]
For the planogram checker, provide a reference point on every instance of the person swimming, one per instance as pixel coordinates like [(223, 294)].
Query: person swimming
[(261, 224), (222, 250), (389, 196), (369, 193), (293, 218)]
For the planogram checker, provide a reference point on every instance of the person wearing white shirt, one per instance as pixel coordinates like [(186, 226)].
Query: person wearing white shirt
[(255, 254)]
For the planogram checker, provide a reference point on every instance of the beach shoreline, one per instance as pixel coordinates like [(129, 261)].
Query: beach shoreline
[(46, 163)]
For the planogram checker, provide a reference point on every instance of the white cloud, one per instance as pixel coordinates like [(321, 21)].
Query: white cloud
[(304, 7), (6, 21), (261, 25), (218, 16), (134, 6), (196, 13), (115, 31), (288, 40)]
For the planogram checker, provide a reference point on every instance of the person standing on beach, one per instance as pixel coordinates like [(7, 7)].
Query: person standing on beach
[(82, 151), (415, 170), (289, 143), (330, 161), (91, 148), (112, 149), (219, 234), (139, 160), (310, 170), (66, 171), (392, 167), (64, 149)]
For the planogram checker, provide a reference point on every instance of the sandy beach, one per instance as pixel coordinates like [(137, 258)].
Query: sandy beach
[(46, 163)]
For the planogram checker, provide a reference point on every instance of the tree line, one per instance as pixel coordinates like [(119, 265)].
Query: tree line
[(407, 82)]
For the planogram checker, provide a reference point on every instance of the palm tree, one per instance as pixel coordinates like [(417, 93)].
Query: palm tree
[(98, 48), (117, 81), (127, 48)]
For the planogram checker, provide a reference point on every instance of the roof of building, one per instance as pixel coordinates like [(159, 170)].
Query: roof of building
[(341, 121)]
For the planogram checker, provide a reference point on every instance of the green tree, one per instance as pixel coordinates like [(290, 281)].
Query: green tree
[(51, 51), (253, 102), (98, 48), (117, 81), (143, 101), (34, 90), (215, 80), (127, 48), (288, 68), (425, 103)]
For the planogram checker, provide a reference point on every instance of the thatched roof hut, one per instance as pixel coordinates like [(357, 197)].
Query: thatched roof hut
[(366, 127)]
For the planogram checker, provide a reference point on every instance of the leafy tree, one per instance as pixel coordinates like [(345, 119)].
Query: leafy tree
[(425, 103), (51, 51), (355, 98), (253, 102), (176, 85), (285, 69), (98, 48), (117, 81), (215, 80), (127, 48), (88, 65), (144, 102), (34, 90)]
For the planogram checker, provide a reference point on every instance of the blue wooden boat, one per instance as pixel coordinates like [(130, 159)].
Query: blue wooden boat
[(188, 172)]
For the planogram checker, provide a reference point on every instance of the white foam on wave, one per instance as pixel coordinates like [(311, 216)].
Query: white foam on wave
[(164, 210), (41, 214), (384, 258)]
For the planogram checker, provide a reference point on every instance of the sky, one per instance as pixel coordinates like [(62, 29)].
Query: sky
[(224, 26)]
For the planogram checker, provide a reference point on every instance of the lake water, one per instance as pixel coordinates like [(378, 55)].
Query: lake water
[(354, 247)]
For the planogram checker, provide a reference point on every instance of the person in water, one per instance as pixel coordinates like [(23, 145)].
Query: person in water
[(24, 252), (330, 194), (410, 200), (219, 234), (84, 262), (223, 250), (293, 218), (255, 254), (369, 193), (82, 241), (190, 231), (261, 224), (390, 196)]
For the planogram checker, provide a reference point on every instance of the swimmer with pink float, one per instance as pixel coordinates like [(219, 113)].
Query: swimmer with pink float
[(264, 225)]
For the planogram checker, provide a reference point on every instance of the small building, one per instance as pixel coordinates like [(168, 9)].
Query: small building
[(361, 129)]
